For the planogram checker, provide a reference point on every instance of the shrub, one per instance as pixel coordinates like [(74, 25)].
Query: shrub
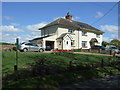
[(14, 48), (50, 64), (66, 54)]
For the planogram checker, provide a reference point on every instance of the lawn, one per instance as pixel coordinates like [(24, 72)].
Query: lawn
[(52, 70)]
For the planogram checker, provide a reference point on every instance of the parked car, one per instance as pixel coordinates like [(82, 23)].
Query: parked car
[(115, 49), (99, 47), (30, 47)]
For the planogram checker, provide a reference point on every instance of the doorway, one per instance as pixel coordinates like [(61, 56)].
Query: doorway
[(49, 45)]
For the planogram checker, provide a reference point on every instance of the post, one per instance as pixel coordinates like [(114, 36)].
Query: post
[(16, 63), (102, 63), (100, 50)]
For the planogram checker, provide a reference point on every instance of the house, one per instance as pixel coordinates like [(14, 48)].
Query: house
[(67, 34)]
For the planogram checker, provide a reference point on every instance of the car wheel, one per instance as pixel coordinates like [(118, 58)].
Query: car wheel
[(25, 50), (41, 50)]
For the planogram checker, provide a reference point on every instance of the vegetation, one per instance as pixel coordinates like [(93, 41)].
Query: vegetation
[(115, 42), (43, 70), (3, 43)]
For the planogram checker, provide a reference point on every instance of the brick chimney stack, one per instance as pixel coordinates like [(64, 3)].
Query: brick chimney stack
[(68, 16)]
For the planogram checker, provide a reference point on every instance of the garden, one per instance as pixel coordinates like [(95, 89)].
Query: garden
[(54, 70)]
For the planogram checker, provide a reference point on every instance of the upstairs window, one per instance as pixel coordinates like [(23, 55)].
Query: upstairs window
[(98, 35), (82, 26), (84, 33), (71, 30)]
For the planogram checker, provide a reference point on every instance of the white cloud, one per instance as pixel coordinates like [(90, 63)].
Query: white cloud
[(114, 36), (77, 17), (11, 38), (57, 18), (99, 14), (10, 28), (7, 17), (107, 39), (35, 27), (109, 28), (15, 24)]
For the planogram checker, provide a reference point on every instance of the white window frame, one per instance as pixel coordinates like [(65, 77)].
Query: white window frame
[(73, 43), (71, 30), (84, 33), (98, 35), (84, 44)]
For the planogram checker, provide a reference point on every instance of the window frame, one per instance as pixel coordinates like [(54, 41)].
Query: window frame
[(84, 33), (98, 35), (71, 30), (85, 44), (72, 42)]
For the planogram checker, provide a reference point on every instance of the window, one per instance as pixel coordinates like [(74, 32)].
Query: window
[(98, 35), (71, 30), (84, 33), (72, 42), (82, 26), (84, 43), (59, 42), (67, 42)]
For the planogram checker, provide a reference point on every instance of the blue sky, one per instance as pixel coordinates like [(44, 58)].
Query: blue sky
[(21, 19)]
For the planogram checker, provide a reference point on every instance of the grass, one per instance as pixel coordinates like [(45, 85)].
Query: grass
[(56, 60)]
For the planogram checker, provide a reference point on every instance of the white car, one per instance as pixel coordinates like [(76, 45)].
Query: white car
[(30, 47)]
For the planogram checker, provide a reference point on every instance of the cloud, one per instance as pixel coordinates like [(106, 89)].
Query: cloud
[(11, 37), (107, 39), (15, 24), (109, 28), (7, 17), (31, 32), (57, 18), (10, 28), (35, 27), (99, 14), (77, 17)]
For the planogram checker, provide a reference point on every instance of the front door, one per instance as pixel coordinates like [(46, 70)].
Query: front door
[(68, 44)]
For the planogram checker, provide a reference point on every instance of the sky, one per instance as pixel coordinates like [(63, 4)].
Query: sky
[(22, 19)]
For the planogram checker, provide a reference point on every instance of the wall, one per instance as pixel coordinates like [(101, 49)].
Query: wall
[(57, 31), (88, 38), (49, 31)]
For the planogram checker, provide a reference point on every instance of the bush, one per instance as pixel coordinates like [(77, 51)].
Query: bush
[(14, 48), (66, 54), (50, 64)]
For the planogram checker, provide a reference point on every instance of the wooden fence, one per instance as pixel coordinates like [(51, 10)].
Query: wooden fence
[(7, 46), (110, 52)]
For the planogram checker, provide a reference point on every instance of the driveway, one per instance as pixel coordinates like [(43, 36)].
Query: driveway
[(92, 53), (106, 82)]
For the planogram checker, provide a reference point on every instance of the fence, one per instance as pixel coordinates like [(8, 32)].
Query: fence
[(110, 52), (100, 64), (6, 46)]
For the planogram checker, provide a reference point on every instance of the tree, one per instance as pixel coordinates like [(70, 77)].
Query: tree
[(104, 43), (115, 42)]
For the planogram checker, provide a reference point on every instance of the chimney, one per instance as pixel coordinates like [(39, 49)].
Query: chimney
[(68, 16)]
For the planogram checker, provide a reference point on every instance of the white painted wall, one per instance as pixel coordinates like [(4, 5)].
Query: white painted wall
[(77, 36), (49, 31), (87, 38)]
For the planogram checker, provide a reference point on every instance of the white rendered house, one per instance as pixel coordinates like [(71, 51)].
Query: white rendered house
[(67, 34)]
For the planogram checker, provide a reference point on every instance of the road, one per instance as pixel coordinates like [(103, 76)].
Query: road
[(106, 82)]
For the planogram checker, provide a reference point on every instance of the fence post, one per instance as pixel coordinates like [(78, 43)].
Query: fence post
[(100, 50), (89, 50), (102, 63), (70, 65), (111, 52)]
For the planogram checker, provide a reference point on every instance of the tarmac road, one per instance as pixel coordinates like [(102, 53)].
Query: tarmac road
[(106, 82)]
